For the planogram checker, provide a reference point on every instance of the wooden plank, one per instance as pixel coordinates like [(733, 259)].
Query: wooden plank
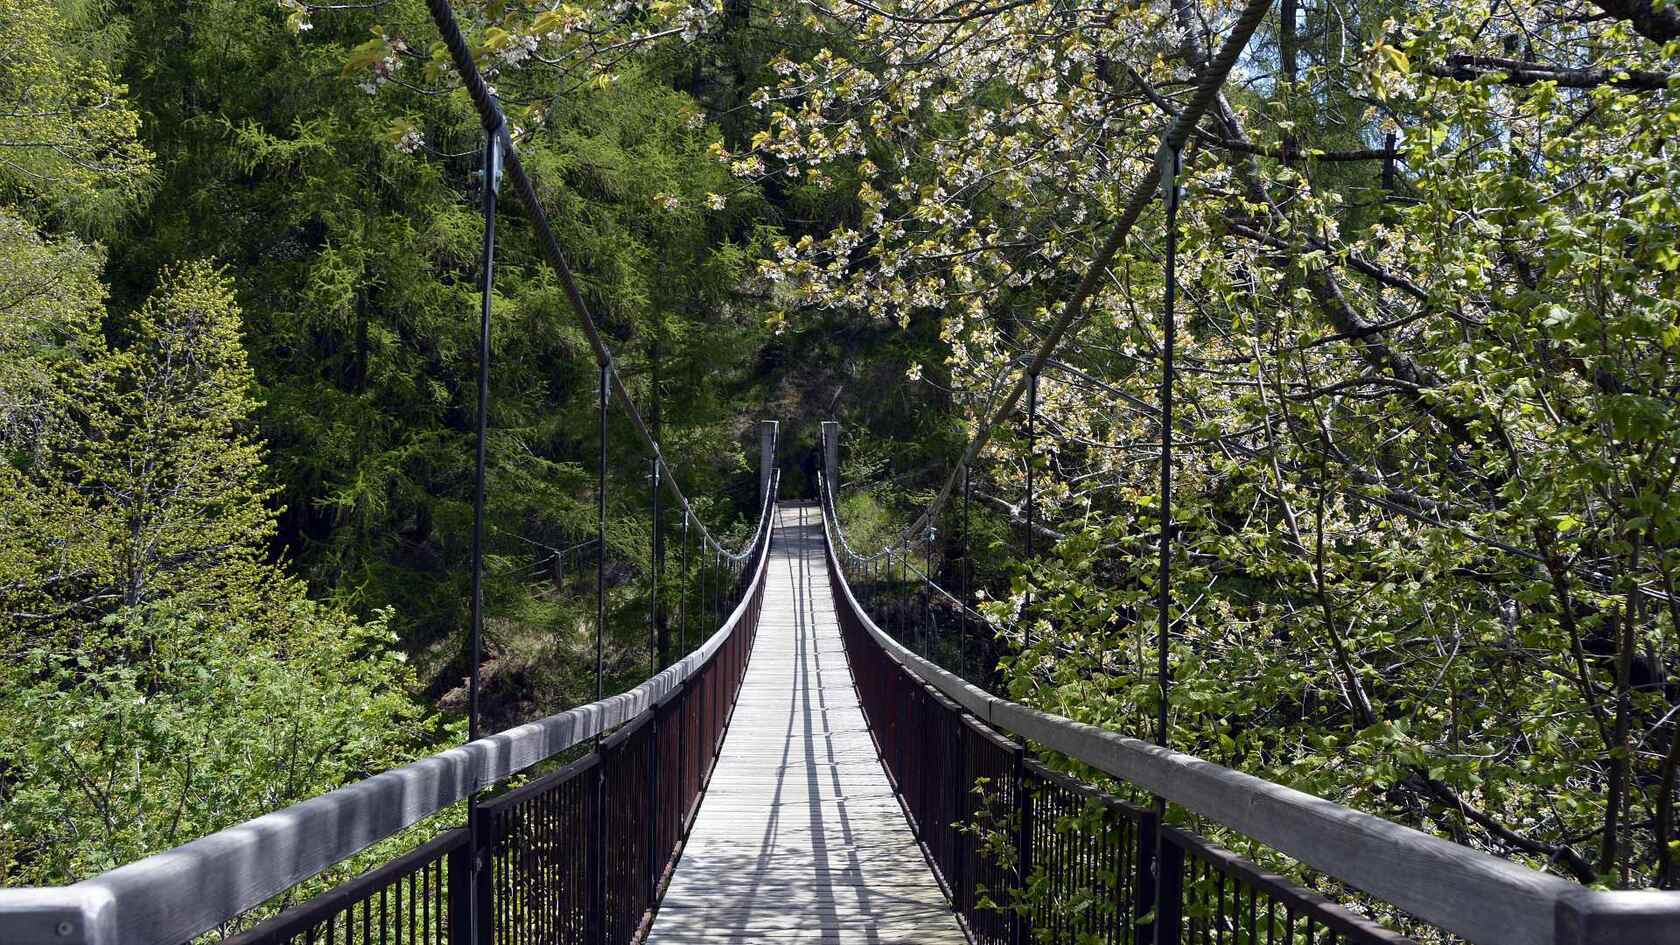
[(860, 935), (799, 839)]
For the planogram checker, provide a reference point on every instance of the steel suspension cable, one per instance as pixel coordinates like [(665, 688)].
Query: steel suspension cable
[(1206, 88), (492, 178), (1032, 443), (490, 113), (601, 541), (654, 655), (1169, 332)]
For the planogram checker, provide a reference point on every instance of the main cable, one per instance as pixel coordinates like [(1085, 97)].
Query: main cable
[(490, 113), (1207, 87)]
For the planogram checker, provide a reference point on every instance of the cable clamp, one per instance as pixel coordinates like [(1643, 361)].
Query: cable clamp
[(495, 132), (1171, 163)]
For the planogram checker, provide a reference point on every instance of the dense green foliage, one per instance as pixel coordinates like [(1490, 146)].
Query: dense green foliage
[(237, 357), (1428, 419)]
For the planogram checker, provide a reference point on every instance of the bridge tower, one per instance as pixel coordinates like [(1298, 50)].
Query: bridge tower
[(766, 456), (831, 452)]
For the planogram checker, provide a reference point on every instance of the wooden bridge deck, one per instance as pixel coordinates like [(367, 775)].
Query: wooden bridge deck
[(799, 838)]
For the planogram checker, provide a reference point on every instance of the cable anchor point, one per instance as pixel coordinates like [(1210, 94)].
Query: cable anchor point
[(1170, 161)]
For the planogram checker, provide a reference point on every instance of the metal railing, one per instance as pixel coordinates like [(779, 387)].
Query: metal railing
[(1027, 855), (574, 856), (577, 856)]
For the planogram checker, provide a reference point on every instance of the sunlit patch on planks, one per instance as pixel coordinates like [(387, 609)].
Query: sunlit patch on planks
[(799, 839)]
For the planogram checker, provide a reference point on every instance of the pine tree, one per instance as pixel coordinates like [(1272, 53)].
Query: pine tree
[(167, 459), (158, 677), (69, 142)]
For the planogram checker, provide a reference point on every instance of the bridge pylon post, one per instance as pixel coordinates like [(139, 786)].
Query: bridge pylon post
[(959, 787), (831, 454), (458, 894), (1145, 901), (654, 865), (766, 458), (1169, 888), (659, 631)]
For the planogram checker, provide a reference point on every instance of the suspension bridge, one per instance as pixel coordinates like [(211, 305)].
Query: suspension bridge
[(805, 776)]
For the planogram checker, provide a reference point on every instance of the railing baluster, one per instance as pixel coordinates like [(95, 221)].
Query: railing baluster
[(458, 875), (1169, 890), (651, 807), (1021, 929), (482, 875)]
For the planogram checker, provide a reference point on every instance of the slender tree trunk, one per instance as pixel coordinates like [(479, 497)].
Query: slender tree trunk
[(1610, 860), (1356, 688), (1288, 14), (1664, 828)]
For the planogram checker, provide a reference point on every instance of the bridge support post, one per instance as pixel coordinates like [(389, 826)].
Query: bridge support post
[(1169, 888), (483, 875), (595, 920), (959, 786), (601, 534), (1032, 447), (468, 887), (655, 866), (766, 458), (459, 893), (476, 880), (831, 454), (681, 787), (658, 627), (929, 621), (1144, 900)]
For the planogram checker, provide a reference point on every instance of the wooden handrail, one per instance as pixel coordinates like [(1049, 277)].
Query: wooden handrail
[(1481, 897), (177, 895)]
